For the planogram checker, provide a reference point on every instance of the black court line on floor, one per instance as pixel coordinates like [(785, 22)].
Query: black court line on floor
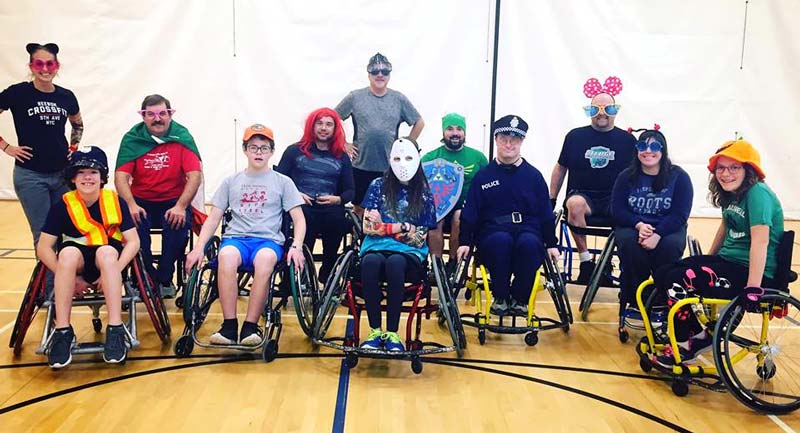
[(559, 386), (463, 363), (224, 360)]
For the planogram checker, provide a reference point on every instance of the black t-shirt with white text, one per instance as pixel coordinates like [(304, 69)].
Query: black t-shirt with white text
[(594, 159), (40, 119)]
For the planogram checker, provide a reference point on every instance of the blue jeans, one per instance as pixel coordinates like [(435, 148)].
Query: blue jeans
[(173, 241), (37, 192)]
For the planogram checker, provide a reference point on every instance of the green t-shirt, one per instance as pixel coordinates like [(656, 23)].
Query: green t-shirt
[(472, 160), (759, 207)]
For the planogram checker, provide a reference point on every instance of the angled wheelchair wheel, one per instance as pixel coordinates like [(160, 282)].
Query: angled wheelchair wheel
[(333, 293), (305, 293), (558, 292), (32, 300), (757, 352), (151, 298), (448, 307), (694, 246)]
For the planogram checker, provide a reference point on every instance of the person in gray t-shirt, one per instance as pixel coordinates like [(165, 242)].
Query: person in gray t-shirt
[(257, 198), (377, 113)]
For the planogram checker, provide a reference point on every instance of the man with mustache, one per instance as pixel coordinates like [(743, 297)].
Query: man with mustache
[(593, 155), (158, 174), (454, 149), (377, 113)]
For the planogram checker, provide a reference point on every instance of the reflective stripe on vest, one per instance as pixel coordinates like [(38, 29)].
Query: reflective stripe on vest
[(94, 233)]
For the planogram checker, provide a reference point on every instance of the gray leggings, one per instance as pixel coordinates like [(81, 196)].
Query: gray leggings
[(37, 192)]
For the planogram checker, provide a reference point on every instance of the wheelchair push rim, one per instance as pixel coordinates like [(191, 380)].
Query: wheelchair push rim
[(757, 354)]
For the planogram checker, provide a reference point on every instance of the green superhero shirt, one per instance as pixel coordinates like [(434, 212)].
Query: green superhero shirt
[(472, 160), (760, 206)]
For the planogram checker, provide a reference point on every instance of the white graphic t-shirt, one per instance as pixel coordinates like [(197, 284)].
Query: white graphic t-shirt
[(257, 203)]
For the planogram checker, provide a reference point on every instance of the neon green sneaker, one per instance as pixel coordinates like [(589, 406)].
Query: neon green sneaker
[(374, 340), (392, 342)]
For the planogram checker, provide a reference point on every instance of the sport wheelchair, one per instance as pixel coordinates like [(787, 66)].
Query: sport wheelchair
[(137, 287), (479, 294), (755, 344), (201, 291), (344, 288)]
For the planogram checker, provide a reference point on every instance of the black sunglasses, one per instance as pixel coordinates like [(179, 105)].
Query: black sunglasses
[(384, 72)]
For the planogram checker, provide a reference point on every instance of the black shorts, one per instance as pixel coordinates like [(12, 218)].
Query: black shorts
[(90, 272), (599, 201), (447, 227), (362, 179)]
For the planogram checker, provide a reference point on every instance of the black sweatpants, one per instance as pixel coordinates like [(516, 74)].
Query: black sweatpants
[(395, 269), (705, 276)]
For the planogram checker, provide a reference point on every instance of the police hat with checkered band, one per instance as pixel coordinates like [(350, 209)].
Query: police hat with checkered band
[(510, 125)]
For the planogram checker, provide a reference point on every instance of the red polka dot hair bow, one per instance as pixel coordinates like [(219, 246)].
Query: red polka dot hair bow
[(612, 86)]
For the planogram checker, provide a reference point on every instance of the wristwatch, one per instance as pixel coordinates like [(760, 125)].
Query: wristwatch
[(294, 246), (405, 227)]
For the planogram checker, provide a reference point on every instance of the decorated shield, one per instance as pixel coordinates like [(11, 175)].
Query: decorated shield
[(446, 180)]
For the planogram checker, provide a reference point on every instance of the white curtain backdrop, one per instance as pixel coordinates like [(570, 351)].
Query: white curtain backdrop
[(225, 64)]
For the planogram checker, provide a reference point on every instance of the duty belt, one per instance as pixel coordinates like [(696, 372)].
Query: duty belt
[(513, 218)]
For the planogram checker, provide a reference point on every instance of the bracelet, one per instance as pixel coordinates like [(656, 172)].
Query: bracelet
[(7, 144), (294, 247)]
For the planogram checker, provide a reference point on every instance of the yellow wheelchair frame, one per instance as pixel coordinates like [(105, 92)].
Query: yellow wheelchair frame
[(715, 312), (547, 278)]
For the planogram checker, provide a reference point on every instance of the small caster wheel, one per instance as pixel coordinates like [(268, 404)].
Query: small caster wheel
[(531, 338), (680, 388), (441, 319), (565, 329), (467, 294), (97, 324), (270, 351), (179, 302), (183, 347), (482, 337), (623, 335), (351, 360), (645, 364), (767, 371), (416, 366)]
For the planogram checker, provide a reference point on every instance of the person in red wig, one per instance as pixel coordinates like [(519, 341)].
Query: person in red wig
[(322, 171)]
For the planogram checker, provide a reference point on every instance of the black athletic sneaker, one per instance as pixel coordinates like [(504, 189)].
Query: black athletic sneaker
[(226, 333), (499, 307), (585, 273), (251, 334), (61, 344), (116, 349)]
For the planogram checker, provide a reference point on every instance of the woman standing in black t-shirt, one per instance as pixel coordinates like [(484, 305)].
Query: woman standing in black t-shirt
[(40, 110)]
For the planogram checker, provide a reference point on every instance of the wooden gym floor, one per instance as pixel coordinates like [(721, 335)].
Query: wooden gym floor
[(584, 381)]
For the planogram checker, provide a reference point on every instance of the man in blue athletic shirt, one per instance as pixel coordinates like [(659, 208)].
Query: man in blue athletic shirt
[(508, 216)]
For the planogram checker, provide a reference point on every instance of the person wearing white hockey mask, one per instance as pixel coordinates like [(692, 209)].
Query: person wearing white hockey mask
[(399, 212)]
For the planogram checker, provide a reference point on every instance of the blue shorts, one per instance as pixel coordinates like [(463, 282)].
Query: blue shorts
[(248, 248)]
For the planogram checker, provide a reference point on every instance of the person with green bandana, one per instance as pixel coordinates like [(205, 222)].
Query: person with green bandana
[(158, 174), (453, 149)]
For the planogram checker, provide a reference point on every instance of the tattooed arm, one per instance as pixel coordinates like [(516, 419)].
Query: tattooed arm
[(77, 131), (416, 237)]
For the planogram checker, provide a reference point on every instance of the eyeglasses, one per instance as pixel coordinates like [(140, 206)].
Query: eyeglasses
[(654, 146), (38, 65), (147, 114), (258, 149), (384, 72), (594, 110), (732, 169)]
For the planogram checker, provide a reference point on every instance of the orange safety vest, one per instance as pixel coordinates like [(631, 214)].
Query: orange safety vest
[(94, 233)]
